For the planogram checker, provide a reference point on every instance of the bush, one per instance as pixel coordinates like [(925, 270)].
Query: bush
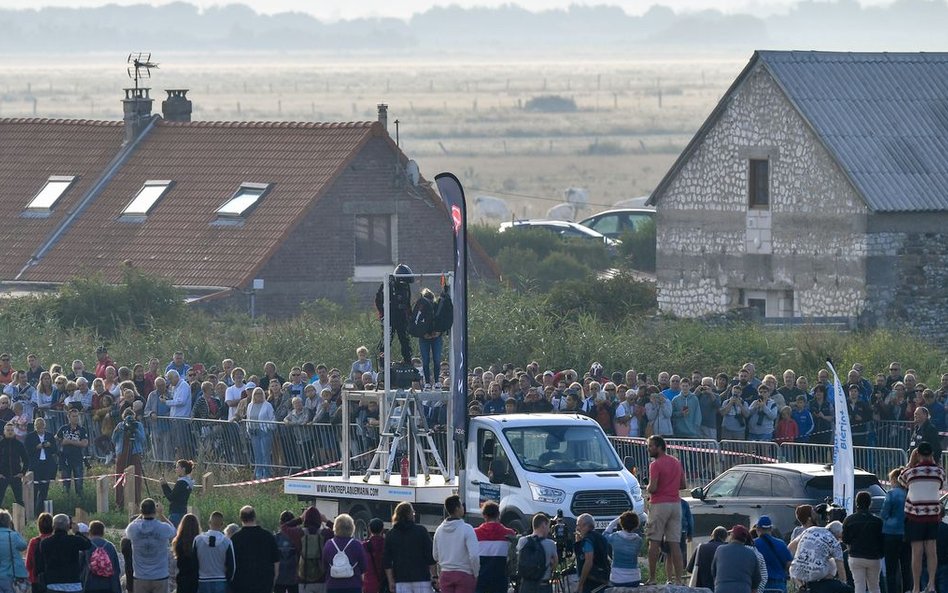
[(551, 104), (639, 246), (612, 299)]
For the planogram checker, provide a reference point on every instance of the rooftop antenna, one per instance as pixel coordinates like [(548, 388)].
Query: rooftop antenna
[(139, 66)]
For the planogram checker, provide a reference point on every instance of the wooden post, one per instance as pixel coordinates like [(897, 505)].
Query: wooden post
[(29, 495), (103, 486), (19, 517), (207, 483), (196, 512), (81, 516), (131, 494)]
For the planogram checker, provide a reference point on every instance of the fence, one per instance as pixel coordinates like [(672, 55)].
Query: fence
[(703, 460), (282, 448)]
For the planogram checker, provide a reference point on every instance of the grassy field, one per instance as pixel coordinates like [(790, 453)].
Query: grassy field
[(633, 115)]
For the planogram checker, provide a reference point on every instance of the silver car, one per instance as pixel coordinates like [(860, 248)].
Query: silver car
[(743, 493)]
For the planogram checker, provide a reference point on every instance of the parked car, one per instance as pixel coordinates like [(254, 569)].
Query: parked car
[(613, 223), (564, 228), (745, 492)]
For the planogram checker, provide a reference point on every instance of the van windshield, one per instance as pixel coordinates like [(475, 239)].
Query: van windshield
[(562, 449)]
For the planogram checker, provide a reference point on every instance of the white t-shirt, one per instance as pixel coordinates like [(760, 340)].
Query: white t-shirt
[(233, 393), (816, 552)]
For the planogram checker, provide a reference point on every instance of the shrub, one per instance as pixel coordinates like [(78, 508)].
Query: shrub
[(639, 246), (550, 104)]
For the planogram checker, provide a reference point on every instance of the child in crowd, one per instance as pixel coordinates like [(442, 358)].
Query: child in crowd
[(787, 430), (20, 422), (362, 365)]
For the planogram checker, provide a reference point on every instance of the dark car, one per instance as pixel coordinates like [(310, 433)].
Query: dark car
[(614, 223), (745, 492)]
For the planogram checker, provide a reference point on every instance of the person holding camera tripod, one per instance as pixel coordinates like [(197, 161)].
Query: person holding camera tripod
[(537, 558), (129, 440)]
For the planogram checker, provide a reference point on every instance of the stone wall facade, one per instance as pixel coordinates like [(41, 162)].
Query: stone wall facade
[(807, 251), (816, 252)]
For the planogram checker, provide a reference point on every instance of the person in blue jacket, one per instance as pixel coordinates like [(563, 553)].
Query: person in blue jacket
[(897, 552)]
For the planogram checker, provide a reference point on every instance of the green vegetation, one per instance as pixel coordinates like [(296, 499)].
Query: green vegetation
[(638, 247), (577, 321)]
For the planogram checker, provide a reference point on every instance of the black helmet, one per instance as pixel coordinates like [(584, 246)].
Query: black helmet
[(401, 270)]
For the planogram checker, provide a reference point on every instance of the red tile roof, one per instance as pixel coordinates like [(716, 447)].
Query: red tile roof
[(208, 161), (32, 150)]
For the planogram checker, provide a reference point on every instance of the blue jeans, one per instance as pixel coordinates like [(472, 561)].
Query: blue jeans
[(70, 467), (212, 587), (175, 518), (262, 443), (431, 352)]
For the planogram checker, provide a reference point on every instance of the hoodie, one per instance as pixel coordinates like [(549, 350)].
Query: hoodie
[(408, 552), (493, 544), (178, 497), (456, 547)]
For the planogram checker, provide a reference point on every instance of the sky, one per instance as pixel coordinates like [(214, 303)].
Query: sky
[(335, 9)]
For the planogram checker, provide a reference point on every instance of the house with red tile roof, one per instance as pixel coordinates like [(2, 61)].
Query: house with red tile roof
[(313, 210)]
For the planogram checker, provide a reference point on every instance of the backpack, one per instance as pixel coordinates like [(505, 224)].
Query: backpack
[(531, 561), (601, 560), (421, 318), (340, 567), (286, 572), (100, 564), (443, 317), (512, 561), (310, 569)]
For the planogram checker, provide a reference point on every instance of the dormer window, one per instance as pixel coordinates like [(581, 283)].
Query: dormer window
[(50, 193), (146, 198), (243, 201)]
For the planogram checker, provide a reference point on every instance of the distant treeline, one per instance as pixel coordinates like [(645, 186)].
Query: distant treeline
[(844, 24)]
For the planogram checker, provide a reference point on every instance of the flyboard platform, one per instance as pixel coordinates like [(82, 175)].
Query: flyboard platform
[(404, 433)]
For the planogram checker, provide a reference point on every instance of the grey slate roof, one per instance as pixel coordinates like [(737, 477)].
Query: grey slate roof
[(882, 116)]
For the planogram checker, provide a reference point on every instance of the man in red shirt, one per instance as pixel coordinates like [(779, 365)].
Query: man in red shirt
[(104, 361), (665, 479)]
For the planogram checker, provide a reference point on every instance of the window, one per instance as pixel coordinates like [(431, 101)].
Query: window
[(759, 183), (756, 485), (373, 239), (146, 198), (758, 305), (244, 200), (47, 197), (724, 486), (607, 224)]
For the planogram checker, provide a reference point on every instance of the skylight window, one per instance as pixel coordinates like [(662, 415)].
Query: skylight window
[(47, 197), (146, 198), (243, 201)]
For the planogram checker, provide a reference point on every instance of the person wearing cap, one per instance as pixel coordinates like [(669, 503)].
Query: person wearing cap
[(775, 553), (734, 567), (818, 559), (150, 535)]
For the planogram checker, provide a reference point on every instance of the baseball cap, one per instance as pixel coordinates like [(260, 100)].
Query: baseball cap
[(764, 522), (740, 532), (82, 528), (547, 373), (250, 386)]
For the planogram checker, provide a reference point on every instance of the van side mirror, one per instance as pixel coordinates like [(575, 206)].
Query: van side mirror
[(629, 462), (697, 493)]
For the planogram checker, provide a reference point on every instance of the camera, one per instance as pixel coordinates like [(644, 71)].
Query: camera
[(828, 512), (560, 534)]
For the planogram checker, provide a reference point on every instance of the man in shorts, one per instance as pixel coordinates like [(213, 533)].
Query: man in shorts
[(666, 479), (924, 480)]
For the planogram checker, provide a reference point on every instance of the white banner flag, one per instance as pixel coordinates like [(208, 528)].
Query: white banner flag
[(843, 467)]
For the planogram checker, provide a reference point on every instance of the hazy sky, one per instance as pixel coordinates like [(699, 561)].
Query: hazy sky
[(335, 9)]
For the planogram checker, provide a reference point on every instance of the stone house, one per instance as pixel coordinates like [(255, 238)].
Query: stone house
[(816, 190), (308, 210)]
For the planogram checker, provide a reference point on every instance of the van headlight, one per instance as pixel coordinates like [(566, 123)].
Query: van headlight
[(547, 494)]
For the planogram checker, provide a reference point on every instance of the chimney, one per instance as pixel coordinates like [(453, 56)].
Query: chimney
[(177, 107), (383, 115), (137, 108)]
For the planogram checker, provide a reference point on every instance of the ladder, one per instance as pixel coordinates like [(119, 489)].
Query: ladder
[(407, 413)]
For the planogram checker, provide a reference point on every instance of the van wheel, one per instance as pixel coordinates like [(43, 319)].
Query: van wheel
[(516, 523), (361, 519)]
